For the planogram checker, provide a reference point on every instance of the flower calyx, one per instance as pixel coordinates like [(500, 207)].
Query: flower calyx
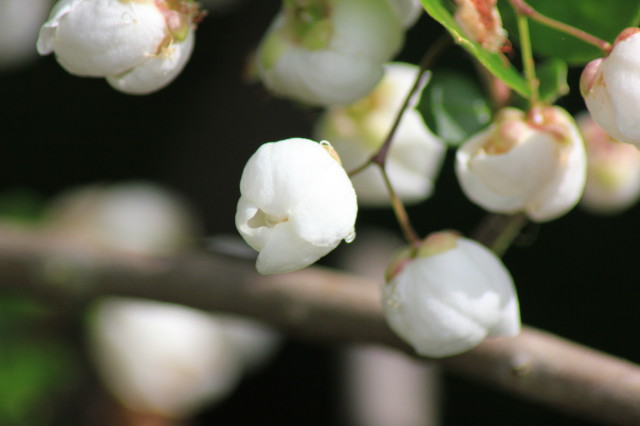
[(434, 244), (309, 22)]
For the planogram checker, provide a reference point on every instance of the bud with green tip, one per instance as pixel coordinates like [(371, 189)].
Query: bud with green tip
[(329, 52)]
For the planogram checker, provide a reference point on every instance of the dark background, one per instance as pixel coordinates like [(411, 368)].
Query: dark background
[(576, 276)]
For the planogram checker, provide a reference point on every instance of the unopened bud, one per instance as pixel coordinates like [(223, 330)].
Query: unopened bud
[(611, 88), (535, 164), (138, 46), (613, 170), (450, 297), (325, 52), (297, 203)]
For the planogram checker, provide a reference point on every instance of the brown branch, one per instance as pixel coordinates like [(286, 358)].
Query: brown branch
[(323, 304)]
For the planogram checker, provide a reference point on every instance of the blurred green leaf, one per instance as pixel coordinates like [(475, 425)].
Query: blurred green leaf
[(553, 79), (34, 367), (21, 205), (604, 19), (453, 106), (16, 310), (552, 74), (494, 62)]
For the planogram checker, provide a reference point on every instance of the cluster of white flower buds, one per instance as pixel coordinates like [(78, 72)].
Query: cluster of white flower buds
[(138, 46), (297, 201), (611, 90)]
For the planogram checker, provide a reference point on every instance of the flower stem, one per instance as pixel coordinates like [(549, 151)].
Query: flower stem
[(426, 63), (401, 213), (380, 157), (421, 79), (522, 8), (498, 232), (527, 58)]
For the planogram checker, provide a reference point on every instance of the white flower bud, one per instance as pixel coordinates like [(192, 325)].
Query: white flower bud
[(535, 164), (137, 218), (254, 342), (449, 298), (297, 203), (20, 21), (162, 358), (407, 10), (157, 71), (611, 88), (358, 130), (613, 170), (329, 52), (140, 46)]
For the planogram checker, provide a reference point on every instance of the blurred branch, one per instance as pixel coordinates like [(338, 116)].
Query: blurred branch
[(323, 304)]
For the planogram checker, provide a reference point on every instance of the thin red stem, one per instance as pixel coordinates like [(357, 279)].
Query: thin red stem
[(523, 8)]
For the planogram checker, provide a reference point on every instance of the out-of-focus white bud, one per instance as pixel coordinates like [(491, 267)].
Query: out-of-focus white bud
[(254, 342), (481, 21), (534, 164), (407, 10), (329, 52), (357, 132), (611, 88), (613, 170), (139, 46), (162, 358), (297, 203), (135, 218), (450, 297), (20, 21)]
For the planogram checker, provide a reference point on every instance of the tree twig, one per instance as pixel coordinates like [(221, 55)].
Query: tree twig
[(320, 303)]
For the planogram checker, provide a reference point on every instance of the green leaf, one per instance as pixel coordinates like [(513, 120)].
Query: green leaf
[(553, 80), (454, 107), (37, 367), (33, 372), (604, 19), (494, 62), (21, 205)]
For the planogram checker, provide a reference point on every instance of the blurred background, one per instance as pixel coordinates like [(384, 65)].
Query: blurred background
[(576, 277)]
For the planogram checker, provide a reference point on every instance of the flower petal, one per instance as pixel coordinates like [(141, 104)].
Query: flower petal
[(155, 72)]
